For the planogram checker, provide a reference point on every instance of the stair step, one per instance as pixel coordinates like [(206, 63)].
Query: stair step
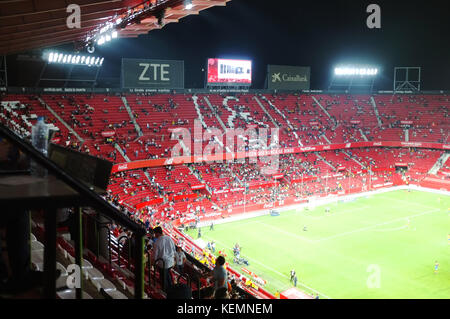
[(71, 294), (116, 294), (94, 274), (105, 284), (36, 246)]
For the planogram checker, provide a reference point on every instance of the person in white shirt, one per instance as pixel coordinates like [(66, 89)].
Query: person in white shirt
[(164, 256), (180, 258)]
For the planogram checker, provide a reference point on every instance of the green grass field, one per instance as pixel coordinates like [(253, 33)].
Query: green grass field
[(342, 251)]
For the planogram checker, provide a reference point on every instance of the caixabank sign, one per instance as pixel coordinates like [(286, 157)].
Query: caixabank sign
[(283, 77), (152, 74)]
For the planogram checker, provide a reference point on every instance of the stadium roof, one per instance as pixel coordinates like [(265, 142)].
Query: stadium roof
[(35, 24)]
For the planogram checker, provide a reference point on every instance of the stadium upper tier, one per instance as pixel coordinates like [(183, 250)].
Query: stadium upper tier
[(138, 127)]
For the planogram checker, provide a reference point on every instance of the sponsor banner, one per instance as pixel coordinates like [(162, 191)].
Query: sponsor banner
[(284, 77), (401, 164), (151, 202), (71, 90), (278, 176), (222, 191), (152, 74), (229, 72), (182, 197), (263, 185), (200, 186), (406, 122), (314, 123), (56, 140), (341, 168), (108, 133), (412, 144), (355, 122), (232, 156)]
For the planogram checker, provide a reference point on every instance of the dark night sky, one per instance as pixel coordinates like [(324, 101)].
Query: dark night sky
[(319, 33)]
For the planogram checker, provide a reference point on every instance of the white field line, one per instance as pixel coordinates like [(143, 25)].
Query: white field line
[(391, 229), (347, 211), (375, 225), (276, 271), (405, 202), (286, 232)]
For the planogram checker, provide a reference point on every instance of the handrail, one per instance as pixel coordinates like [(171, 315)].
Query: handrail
[(122, 246), (188, 279), (160, 274), (95, 200), (149, 265), (109, 241)]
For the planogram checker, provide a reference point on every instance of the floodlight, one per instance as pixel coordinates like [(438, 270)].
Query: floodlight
[(351, 71), (50, 57), (107, 38), (114, 34)]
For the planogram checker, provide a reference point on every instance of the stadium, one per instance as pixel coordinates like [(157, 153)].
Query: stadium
[(305, 189)]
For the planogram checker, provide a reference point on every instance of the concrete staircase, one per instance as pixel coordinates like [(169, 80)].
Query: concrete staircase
[(323, 109), (119, 149), (200, 117), (325, 138), (374, 104), (439, 163), (363, 135), (199, 113), (61, 120), (215, 114), (195, 173), (354, 159), (273, 106), (133, 119), (406, 135), (265, 111), (324, 160)]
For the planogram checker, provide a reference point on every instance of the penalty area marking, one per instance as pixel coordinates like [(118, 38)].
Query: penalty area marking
[(376, 225)]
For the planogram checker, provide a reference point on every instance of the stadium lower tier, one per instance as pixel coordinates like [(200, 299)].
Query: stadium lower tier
[(197, 192)]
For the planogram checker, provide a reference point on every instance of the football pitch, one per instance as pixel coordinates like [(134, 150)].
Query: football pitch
[(380, 246)]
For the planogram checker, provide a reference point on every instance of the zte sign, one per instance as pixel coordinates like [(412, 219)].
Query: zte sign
[(153, 74), (157, 72)]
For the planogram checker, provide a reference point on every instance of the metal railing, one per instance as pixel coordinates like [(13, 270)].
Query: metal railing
[(94, 201)]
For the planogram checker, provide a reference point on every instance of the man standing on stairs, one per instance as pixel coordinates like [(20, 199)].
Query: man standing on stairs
[(164, 253)]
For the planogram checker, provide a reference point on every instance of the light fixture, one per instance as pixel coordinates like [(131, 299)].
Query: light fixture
[(352, 71), (75, 59)]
